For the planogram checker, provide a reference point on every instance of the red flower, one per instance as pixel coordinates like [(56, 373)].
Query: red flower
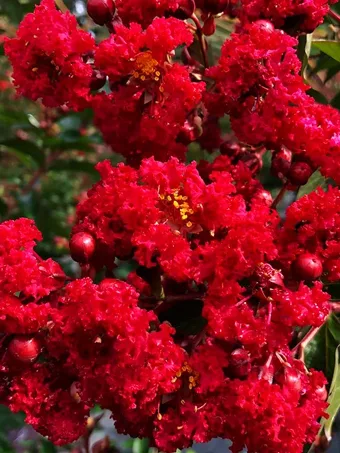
[(47, 58)]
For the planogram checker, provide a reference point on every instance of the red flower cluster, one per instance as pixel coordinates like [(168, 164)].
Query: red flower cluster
[(313, 226), (151, 98), (258, 84), (198, 341), (48, 58), (293, 16)]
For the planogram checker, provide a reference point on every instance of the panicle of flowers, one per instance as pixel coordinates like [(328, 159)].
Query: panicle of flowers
[(196, 341), (258, 83), (48, 58)]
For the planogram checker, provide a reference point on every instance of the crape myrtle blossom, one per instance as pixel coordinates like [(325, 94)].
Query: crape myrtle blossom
[(200, 339)]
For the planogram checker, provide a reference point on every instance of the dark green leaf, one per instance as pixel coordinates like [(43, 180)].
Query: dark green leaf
[(77, 143), (324, 62), (332, 72), (73, 165), (22, 157), (335, 102), (315, 351), (3, 208), (316, 180), (26, 147), (320, 98), (47, 447), (333, 324), (333, 399), (5, 446), (330, 48), (9, 421)]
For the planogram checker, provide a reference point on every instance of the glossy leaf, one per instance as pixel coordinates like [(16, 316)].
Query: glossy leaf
[(314, 181), (330, 48), (333, 399)]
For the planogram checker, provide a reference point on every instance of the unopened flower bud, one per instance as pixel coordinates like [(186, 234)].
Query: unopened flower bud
[(307, 267), (24, 349), (101, 11), (209, 26), (281, 162), (185, 10), (299, 173), (265, 25), (82, 247), (98, 80)]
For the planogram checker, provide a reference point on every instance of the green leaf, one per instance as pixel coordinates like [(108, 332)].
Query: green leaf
[(79, 144), (26, 147), (332, 72), (320, 98), (333, 399), (303, 50), (330, 48), (315, 351), (314, 181), (140, 446), (22, 157), (324, 62), (73, 165), (335, 102), (47, 447), (5, 446), (333, 324)]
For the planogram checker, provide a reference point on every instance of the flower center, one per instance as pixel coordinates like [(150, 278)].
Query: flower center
[(179, 206), (146, 67), (193, 376)]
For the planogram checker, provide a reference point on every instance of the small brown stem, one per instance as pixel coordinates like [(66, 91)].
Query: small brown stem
[(61, 5), (201, 39), (334, 15), (266, 367), (279, 196), (335, 306), (301, 346)]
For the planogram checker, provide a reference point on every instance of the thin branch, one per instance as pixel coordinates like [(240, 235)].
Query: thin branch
[(301, 346), (279, 196), (201, 39), (334, 15), (61, 5)]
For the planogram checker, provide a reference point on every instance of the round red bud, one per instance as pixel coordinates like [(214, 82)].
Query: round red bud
[(299, 173), (265, 25), (98, 80), (289, 378), (82, 247), (101, 11), (264, 196), (209, 26), (307, 267), (185, 10), (24, 349), (322, 393), (281, 162), (230, 148)]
